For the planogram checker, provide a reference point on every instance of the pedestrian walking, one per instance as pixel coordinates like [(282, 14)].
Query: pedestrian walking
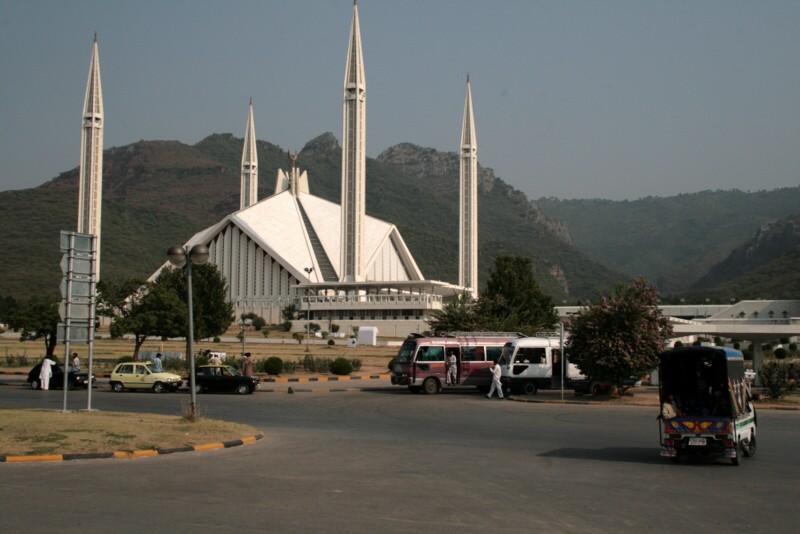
[(247, 365), (496, 384)]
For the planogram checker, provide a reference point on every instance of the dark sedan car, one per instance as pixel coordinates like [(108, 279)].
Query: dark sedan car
[(75, 380), (223, 378)]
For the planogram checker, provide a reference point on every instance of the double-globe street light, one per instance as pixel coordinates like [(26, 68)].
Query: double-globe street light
[(198, 255)]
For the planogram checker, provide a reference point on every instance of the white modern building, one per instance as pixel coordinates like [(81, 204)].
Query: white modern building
[(330, 260)]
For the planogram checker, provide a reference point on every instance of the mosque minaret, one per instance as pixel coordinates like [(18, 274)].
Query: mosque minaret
[(468, 201), (354, 159), (249, 180), (90, 188)]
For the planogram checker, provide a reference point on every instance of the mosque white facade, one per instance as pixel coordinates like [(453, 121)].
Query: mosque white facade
[(332, 260)]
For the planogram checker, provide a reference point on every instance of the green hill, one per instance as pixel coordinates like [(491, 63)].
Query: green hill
[(673, 241), (159, 193)]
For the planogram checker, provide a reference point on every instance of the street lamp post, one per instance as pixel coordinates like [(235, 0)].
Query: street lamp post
[(198, 255), (308, 271), (244, 324)]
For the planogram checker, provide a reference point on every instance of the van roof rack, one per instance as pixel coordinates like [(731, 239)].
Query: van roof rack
[(484, 334), (547, 333)]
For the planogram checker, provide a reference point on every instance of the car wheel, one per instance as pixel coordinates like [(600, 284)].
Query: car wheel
[(158, 387), (117, 386), (35, 384), (596, 388), (242, 389), (430, 386), (750, 449), (529, 387)]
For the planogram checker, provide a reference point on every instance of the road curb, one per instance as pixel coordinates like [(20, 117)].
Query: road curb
[(130, 455)]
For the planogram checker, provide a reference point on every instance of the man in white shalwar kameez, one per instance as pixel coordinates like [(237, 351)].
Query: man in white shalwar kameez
[(46, 372), (496, 384)]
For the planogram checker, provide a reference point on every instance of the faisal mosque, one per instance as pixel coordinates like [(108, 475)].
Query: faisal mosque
[(294, 248)]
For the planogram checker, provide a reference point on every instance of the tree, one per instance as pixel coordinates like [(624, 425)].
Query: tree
[(621, 336), (159, 308), (141, 309), (38, 319), (299, 336), (513, 301), (212, 313), (458, 315), (256, 321), (289, 313)]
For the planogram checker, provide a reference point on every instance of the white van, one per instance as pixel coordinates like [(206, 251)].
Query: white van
[(531, 363)]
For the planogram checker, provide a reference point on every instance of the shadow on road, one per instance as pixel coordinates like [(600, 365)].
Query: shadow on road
[(639, 455)]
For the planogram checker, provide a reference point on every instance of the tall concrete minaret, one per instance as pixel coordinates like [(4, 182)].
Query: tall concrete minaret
[(90, 188), (353, 158), (468, 201), (249, 188)]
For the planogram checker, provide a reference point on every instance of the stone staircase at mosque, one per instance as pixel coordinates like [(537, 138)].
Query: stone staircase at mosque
[(326, 267)]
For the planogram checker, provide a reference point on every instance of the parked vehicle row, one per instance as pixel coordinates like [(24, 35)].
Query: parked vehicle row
[(140, 376)]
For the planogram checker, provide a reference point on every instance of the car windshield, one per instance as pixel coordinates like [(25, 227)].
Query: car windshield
[(232, 370), (406, 352)]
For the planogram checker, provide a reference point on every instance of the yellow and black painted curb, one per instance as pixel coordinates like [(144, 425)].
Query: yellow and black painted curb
[(130, 455)]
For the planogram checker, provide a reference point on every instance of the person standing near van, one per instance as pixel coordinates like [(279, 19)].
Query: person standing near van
[(452, 369), (496, 384)]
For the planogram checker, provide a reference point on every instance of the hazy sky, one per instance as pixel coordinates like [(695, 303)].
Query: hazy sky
[(573, 99)]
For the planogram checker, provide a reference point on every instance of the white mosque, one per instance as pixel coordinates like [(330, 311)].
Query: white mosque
[(331, 260), (334, 261)]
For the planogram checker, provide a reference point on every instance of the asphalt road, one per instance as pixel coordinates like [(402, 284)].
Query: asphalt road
[(384, 460)]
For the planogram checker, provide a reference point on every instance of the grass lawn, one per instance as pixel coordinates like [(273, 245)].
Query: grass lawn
[(46, 432)]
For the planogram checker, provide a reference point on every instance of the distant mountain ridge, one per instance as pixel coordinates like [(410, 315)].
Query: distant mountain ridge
[(672, 241), (772, 241), (159, 193)]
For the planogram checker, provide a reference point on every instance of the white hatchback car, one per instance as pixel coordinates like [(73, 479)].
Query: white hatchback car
[(138, 375)]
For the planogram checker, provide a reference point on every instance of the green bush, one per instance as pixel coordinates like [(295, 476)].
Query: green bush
[(341, 366), (737, 345), (273, 365), (356, 363), (265, 332), (334, 328), (678, 344), (290, 366), (792, 347), (258, 322), (124, 359), (299, 336), (781, 353), (316, 365), (287, 326), (331, 342), (216, 339), (784, 340), (775, 379)]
